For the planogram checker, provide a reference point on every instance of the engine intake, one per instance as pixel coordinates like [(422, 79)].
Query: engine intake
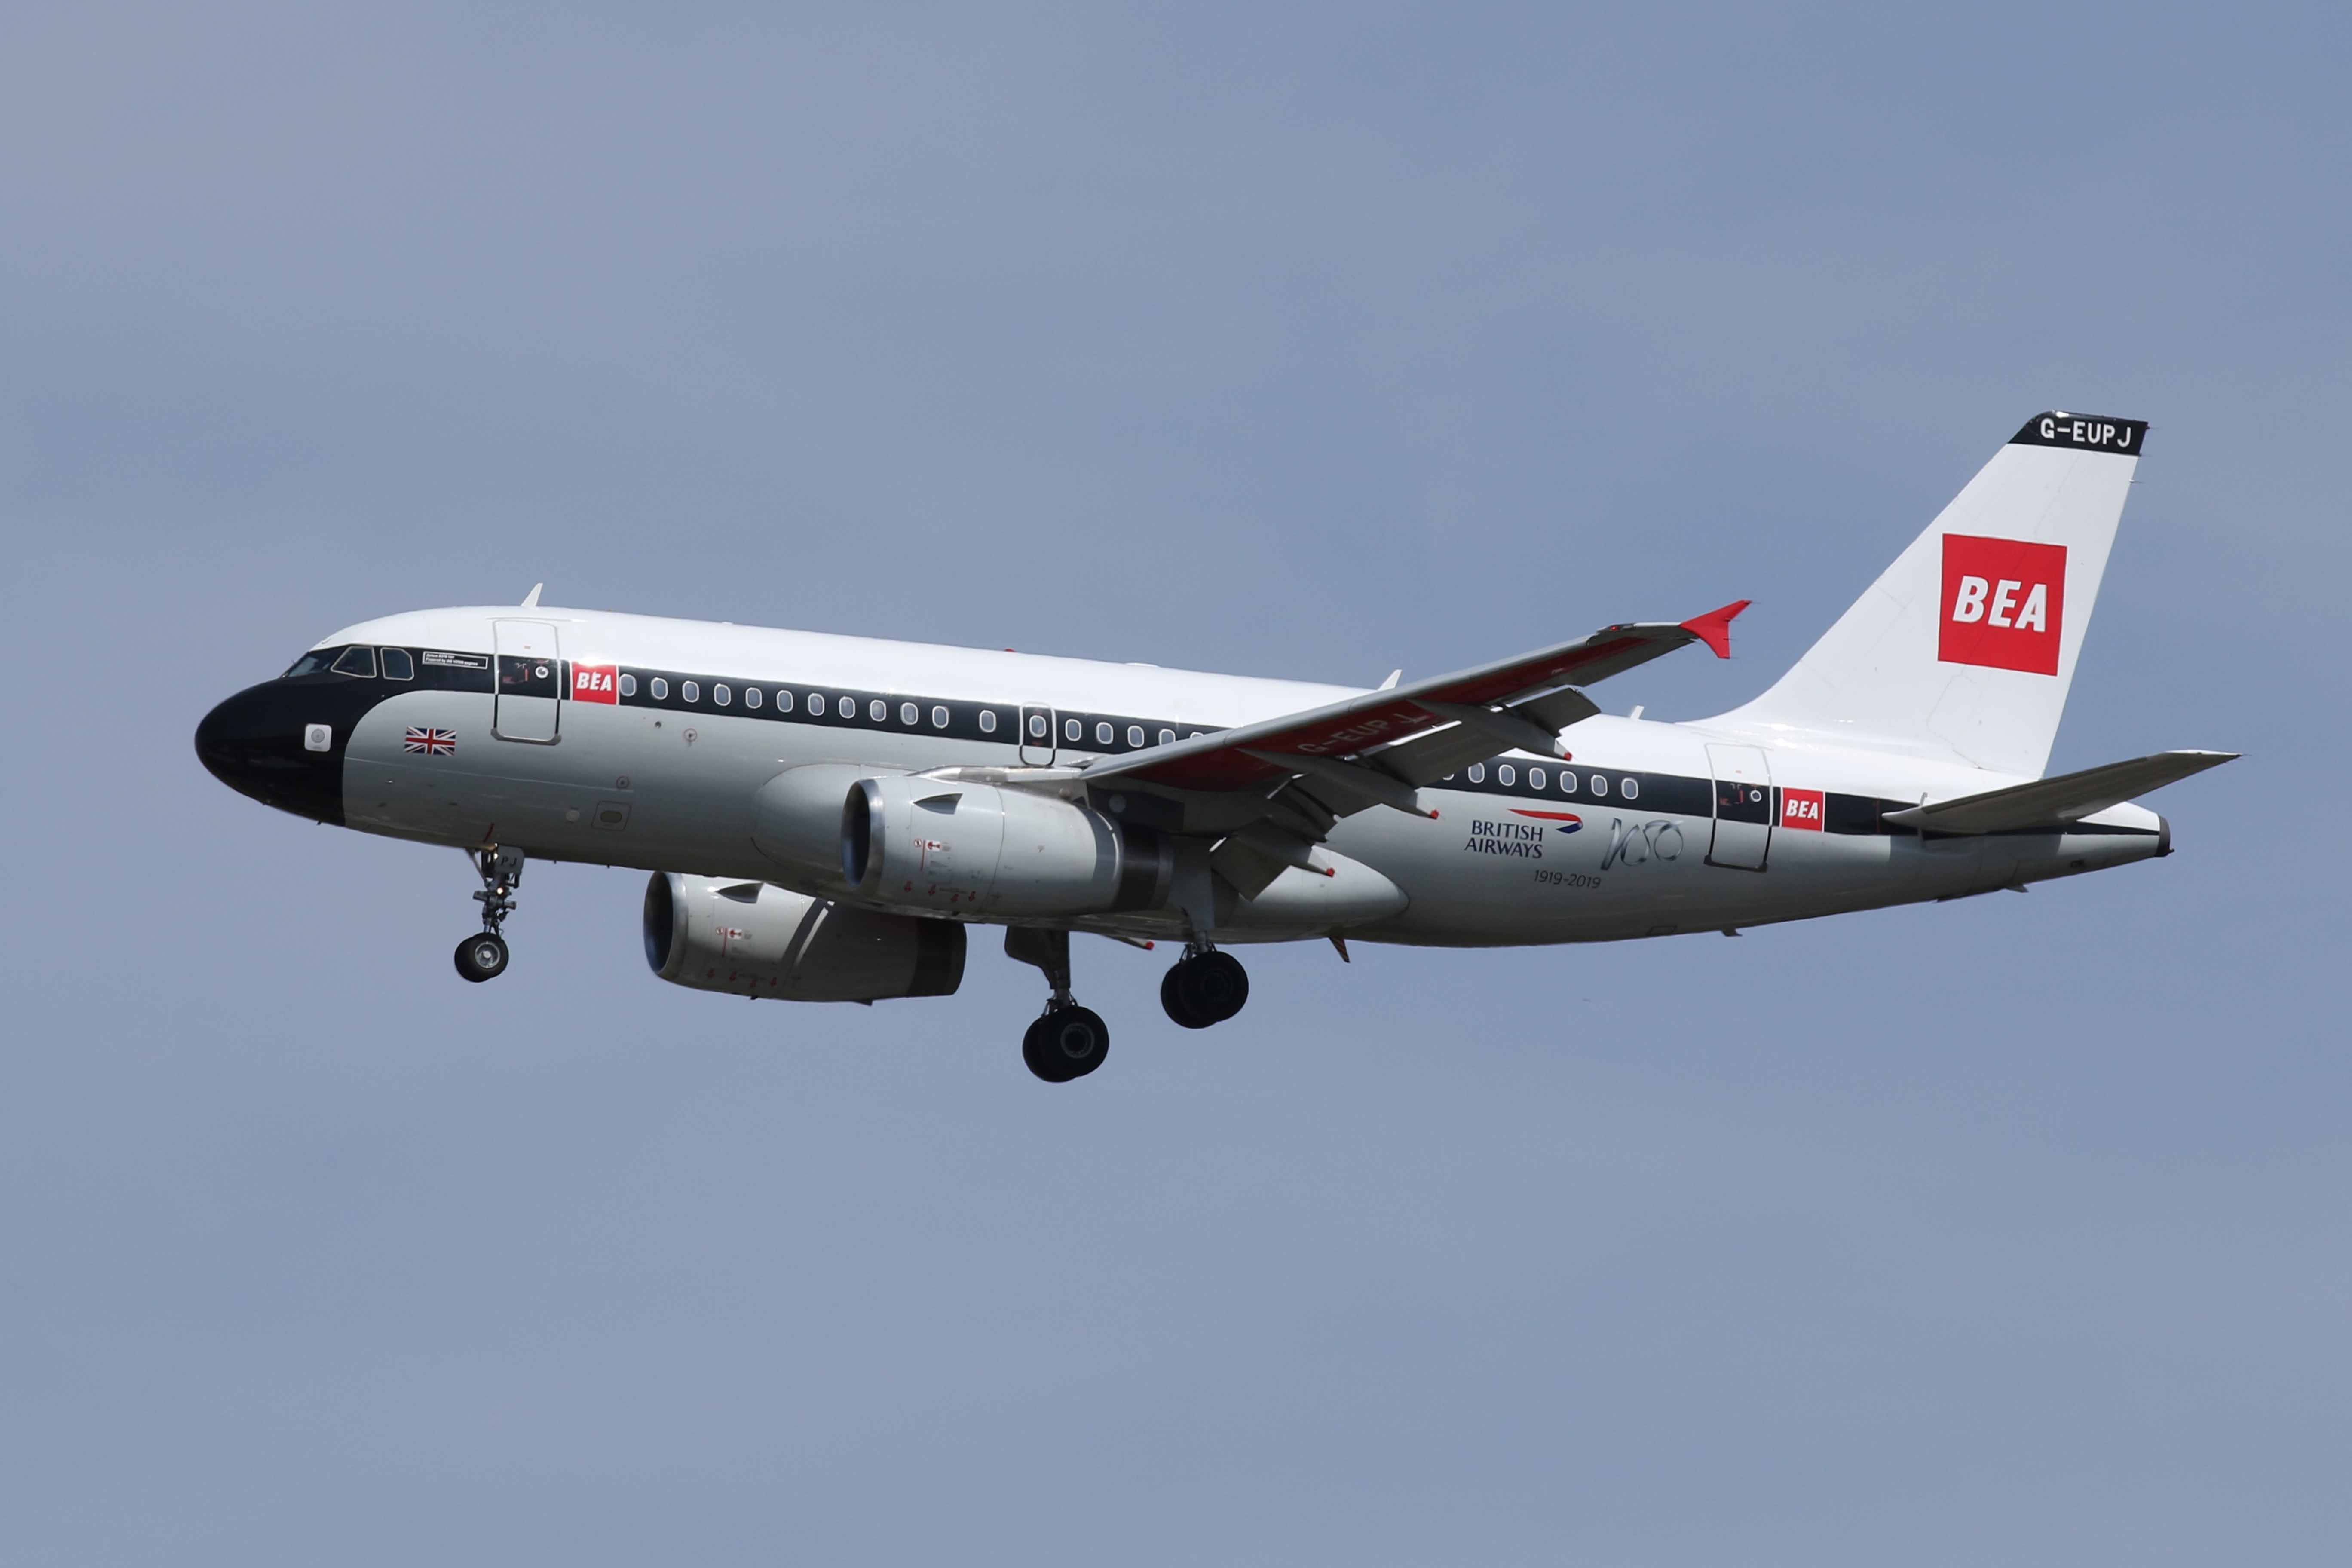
[(976, 851), (754, 939)]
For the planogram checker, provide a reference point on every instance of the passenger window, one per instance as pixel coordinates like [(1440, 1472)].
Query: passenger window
[(1630, 788), (1477, 772), (783, 701), (1102, 734), (1037, 725), (1073, 731), (1600, 787), (751, 697), (360, 661), (690, 690), (845, 706), (1135, 734), (817, 704), (1506, 775), (1167, 737), (987, 720), (661, 689), (629, 685), (908, 713), (1536, 777), (938, 718), (397, 665), (722, 695), (877, 710)]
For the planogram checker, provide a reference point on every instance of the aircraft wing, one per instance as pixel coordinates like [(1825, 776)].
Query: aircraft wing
[(1307, 769), (2054, 801)]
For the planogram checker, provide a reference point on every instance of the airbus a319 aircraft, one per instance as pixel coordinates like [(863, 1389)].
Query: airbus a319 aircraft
[(825, 818)]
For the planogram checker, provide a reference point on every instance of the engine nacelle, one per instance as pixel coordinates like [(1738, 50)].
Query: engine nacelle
[(977, 851), (754, 939)]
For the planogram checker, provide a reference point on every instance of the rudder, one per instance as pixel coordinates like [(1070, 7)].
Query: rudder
[(1966, 646)]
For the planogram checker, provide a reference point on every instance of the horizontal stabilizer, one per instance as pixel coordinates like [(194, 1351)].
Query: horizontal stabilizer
[(2054, 803)]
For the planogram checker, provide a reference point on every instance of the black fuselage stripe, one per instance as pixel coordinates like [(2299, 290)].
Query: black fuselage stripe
[(1676, 795)]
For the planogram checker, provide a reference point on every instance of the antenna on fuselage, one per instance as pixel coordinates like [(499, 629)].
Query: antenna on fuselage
[(530, 600)]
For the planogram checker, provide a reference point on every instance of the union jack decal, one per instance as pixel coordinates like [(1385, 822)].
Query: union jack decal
[(430, 743)]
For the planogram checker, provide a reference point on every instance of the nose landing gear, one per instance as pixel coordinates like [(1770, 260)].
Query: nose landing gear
[(484, 956), (1067, 1041), (1204, 987)]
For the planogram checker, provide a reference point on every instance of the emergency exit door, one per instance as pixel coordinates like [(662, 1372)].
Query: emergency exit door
[(1743, 807), (1039, 740)]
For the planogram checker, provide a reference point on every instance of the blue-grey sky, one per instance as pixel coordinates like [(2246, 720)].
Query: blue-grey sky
[(1305, 340)]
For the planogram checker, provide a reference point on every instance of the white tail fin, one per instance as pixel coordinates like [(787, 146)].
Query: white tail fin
[(1966, 646)]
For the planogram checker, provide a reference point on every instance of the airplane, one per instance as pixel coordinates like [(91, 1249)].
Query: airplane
[(824, 817)]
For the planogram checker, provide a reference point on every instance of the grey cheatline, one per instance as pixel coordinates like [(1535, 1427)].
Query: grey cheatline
[(826, 816)]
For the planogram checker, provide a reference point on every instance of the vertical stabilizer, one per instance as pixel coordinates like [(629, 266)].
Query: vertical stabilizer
[(1966, 646)]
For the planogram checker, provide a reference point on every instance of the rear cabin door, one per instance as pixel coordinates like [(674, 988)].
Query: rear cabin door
[(1743, 807), (531, 682), (1037, 736)]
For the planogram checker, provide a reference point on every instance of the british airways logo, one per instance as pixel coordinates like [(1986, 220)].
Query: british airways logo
[(1519, 840)]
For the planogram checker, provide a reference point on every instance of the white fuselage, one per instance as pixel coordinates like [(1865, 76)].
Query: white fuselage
[(611, 773)]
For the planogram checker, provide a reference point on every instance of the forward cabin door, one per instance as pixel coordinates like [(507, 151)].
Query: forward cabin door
[(531, 682), (1743, 807), (1037, 736)]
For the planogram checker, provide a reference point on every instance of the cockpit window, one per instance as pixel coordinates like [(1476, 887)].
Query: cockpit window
[(397, 665), (315, 662), (360, 661)]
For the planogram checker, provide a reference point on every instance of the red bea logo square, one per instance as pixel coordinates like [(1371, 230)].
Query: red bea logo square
[(595, 683), (1801, 808), (2004, 603)]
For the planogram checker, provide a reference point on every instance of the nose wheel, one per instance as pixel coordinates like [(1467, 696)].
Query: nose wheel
[(1067, 1041), (1204, 988), (483, 956)]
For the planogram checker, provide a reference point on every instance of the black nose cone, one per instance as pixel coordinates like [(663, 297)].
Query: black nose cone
[(282, 743)]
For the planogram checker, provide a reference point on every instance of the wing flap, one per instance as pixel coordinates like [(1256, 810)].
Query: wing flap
[(2056, 802)]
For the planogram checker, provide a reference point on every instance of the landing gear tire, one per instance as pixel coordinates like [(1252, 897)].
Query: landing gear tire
[(1066, 1043), (482, 956), (1171, 999), (1204, 989)]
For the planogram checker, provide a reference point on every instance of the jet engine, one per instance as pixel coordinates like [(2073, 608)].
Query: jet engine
[(754, 939), (979, 851)]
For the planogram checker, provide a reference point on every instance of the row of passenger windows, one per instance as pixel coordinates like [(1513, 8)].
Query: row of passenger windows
[(1596, 784), (1074, 731), (877, 710), (723, 696)]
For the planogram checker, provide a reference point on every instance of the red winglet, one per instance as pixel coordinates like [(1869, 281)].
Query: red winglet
[(1714, 628)]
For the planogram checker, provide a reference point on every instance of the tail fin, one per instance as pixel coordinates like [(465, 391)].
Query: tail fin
[(1966, 646)]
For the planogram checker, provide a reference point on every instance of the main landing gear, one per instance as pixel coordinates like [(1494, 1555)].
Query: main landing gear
[(484, 956), (1204, 987), (1067, 1041)]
